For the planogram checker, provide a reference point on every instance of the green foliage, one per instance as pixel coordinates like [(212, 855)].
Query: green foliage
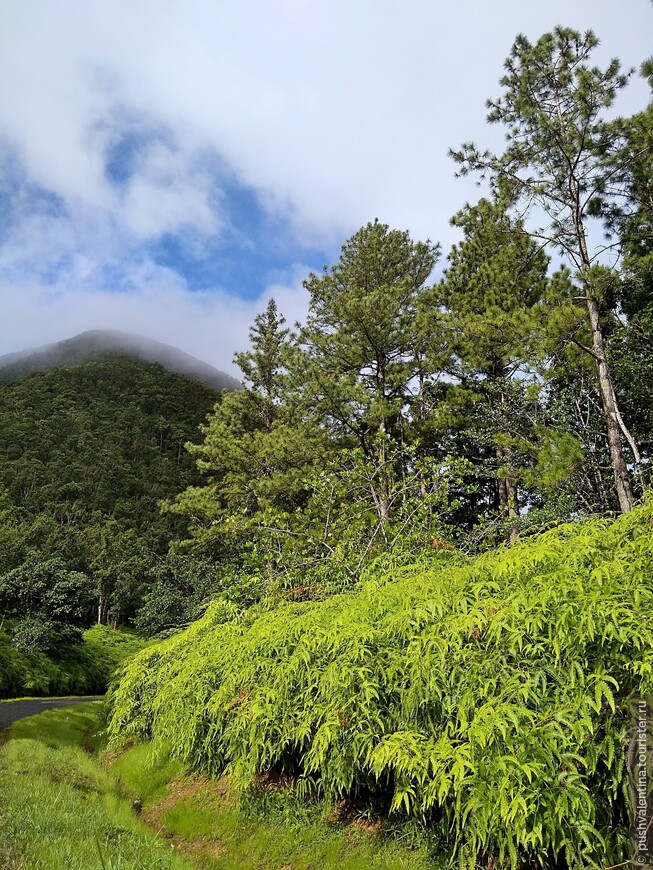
[(488, 696), (255, 454), (50, 604), (361, 347), (88, 452), (630, 216), (494, 280), (553, 108), (83, 668), (338, 535), (178, 586)]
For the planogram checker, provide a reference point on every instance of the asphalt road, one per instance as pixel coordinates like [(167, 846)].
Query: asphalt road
[(11, 711)]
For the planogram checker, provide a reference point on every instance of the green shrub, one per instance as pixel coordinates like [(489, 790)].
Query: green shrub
[(83, 668), (487, 698)]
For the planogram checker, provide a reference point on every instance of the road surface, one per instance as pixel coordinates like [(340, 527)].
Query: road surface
[(11, 711)]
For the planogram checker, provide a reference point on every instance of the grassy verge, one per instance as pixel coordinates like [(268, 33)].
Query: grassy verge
[(67, 804), (61, 809), (271, 830)]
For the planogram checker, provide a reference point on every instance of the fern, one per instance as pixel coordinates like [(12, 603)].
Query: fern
[(488, 697)]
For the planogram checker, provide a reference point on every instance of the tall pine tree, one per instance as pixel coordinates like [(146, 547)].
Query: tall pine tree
[(361, 342), (487, 313), (554, 110)]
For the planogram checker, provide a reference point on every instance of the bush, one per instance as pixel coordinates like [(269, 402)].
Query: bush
[(486, 697), (83, 668)]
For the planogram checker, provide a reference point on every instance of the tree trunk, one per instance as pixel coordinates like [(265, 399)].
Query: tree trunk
[(513, 504), (508, 495), (613, 421), (611, 412), (384, 482)]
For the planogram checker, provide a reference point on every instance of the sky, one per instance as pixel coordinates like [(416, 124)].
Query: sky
[(168, 165)]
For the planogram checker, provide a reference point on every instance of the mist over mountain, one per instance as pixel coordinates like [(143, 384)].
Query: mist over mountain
[(100, 344)]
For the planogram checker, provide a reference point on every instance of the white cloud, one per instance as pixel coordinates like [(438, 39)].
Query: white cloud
[(166, 195), (210, 326), (335, 112), (345, 110)]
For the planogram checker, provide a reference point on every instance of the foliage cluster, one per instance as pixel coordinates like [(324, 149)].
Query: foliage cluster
[(83, 668), (488, 697)]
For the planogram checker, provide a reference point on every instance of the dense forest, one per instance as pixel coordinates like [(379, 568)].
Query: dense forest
[(418, 538), (88, 452)]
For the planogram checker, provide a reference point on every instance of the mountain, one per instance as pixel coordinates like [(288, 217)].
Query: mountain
[(87, 454), (100, 344)]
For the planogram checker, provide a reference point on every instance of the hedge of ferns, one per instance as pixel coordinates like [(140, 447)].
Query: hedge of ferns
[(488, 698)]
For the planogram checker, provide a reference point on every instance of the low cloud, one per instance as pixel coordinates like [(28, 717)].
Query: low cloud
[(125, 124), (211, 325)]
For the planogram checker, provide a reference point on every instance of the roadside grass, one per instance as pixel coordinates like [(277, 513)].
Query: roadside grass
[(269, 830), (61, 810), (67, 803)]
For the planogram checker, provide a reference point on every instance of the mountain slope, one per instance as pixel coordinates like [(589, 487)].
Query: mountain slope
[(99, 344), (88, 452)]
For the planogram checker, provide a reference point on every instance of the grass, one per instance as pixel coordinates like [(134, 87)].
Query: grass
[(66, 803), (38, 698), (61, 809), (269, 831)]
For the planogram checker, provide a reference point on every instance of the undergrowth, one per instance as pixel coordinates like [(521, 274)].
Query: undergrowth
[(487, 698), (84, 668)]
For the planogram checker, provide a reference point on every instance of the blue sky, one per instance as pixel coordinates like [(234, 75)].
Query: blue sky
[(165, 167)]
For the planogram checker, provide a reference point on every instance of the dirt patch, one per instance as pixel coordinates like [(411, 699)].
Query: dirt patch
[(273, 781), (110, 755), (202, 792), (354, 814), (199, 789), (197, 849)]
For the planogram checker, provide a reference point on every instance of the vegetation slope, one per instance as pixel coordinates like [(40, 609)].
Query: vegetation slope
[(82, 668), (88, 452), (488, 697)]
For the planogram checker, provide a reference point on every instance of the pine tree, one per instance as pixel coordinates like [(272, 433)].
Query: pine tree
[(361, 341), (490, 294), (553, 108), (263, 365), (255, 450)]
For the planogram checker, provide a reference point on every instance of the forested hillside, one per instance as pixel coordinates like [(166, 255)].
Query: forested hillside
[(88, 451), (96, 345)]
